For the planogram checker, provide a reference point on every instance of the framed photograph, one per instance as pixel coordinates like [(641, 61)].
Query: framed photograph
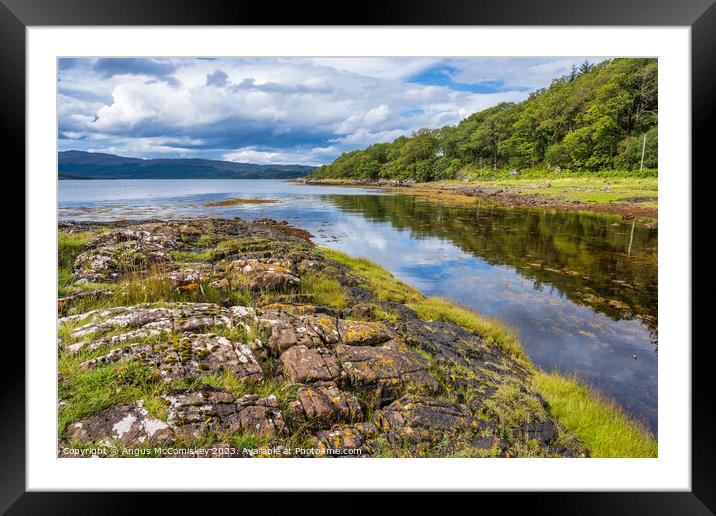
[(417, 252)]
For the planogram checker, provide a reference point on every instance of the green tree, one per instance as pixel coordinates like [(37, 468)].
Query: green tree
[(593, 118)]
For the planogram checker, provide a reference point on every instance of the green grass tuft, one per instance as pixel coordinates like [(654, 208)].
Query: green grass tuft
[(388, 288), (69, 246), (324, 290), (435, 308), (598, 422), (187, 257), (382, 283)]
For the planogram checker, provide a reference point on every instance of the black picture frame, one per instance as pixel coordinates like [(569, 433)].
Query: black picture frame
[(700, 15)]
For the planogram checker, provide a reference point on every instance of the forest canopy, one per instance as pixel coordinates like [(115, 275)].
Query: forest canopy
[(596, 118)]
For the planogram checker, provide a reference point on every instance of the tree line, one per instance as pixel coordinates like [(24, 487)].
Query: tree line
[(597, 117)]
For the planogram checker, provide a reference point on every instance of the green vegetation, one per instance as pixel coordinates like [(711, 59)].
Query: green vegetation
[(69, 245), (437, 308), (388, 288), (324, 290), (592, 120), (382, 283), (87, 392), (183, 257), (588, 189), (598, 422)]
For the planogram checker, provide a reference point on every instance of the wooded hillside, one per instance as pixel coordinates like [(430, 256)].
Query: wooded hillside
[(593, 119)]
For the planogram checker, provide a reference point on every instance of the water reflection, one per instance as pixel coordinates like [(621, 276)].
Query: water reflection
[(595, 260), (580, 289)]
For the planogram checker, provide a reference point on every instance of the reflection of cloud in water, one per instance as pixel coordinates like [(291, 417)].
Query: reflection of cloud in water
[(547, 322)]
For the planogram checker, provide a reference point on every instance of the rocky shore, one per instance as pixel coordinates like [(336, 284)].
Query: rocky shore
[(231, 339), (515, 197)]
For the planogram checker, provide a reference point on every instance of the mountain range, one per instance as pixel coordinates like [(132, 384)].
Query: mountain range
[(74, 164)]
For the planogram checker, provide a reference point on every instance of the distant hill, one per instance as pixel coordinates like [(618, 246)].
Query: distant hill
[(96, 165)]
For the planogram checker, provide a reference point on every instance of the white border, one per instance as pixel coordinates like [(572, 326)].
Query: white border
[(670, 471)]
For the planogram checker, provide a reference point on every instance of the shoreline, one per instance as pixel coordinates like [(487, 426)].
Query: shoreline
[(402, 343), (512, 196)]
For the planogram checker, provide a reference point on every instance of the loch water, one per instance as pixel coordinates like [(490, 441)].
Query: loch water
[(580, 289)]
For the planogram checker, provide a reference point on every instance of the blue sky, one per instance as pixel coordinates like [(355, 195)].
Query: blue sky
[(278, 110)]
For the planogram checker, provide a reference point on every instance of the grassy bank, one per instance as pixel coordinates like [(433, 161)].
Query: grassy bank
[(597, 421), (590, 189), (594, 419), (504, 394), (69, 245), (616, 193), (389, 288)]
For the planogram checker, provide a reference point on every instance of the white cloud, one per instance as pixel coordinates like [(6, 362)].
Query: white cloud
[(378, 67), (313, 156), (274, 110), (532, 73)]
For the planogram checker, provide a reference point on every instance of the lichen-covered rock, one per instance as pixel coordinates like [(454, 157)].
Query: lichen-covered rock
[(251, 266), (123, 250), (315, 330), (304, 365), (141, 321), (335, 361), (129, 425), (541, 431), (174, 317), (344, 441), (423, 419), (295, 309), (189, 357), (326, 402), (275, 281), (450, 343), (185, 279), (321, 330), (363, 333), (268, 274), (391, 367), (195, 413)]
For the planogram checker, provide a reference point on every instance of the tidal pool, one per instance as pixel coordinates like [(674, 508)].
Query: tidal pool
[(580, 289)]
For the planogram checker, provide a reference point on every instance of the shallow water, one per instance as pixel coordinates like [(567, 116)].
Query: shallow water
[(580, 289)]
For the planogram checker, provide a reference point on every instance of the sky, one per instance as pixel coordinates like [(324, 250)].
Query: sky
[(278, 110)]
